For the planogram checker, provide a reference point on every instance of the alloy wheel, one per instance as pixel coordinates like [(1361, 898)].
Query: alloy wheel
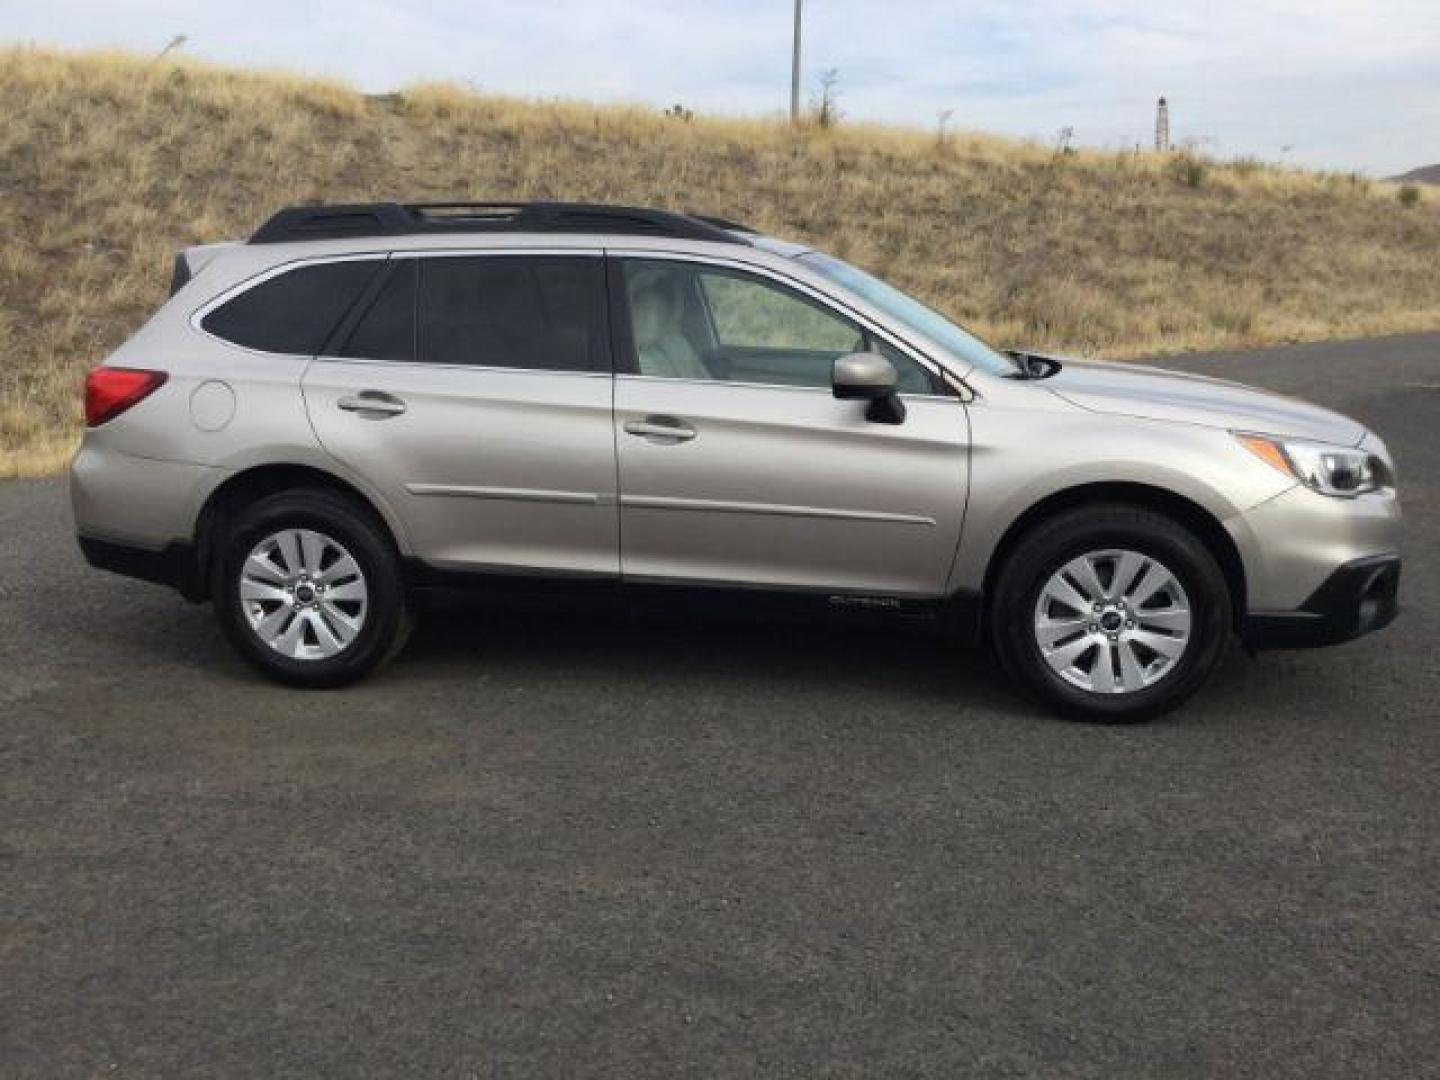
[(1112, 621), (303, 594)]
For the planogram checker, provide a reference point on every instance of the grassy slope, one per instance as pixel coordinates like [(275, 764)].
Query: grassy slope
[(109, 163)]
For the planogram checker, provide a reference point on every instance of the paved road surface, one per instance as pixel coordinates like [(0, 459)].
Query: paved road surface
[(548, 845)]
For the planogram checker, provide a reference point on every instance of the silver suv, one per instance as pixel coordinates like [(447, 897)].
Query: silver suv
[(365, 403)]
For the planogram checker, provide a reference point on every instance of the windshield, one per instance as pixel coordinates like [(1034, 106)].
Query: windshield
[(908, 311)]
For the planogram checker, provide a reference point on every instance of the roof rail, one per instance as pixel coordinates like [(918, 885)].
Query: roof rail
[(723, 223), (398, 219)]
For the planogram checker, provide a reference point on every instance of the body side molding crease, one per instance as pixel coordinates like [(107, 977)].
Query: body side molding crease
[(463, 491), (715, 506)]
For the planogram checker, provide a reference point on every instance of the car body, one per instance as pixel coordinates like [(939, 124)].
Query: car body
[(629, 398)]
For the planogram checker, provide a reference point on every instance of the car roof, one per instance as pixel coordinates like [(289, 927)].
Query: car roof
[(390, 219)]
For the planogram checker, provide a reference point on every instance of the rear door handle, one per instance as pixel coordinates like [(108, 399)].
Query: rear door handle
[(661, 427), (376, 403)]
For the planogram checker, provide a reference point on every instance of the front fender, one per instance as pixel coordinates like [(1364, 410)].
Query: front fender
[(1022, 456)]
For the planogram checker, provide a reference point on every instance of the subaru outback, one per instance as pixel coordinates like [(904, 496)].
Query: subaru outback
[(361, 404)]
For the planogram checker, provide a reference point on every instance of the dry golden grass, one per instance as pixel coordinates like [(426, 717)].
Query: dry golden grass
[(110, 163)]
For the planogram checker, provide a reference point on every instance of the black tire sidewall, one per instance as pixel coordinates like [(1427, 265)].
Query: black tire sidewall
[(1062, 539), (353, 528)]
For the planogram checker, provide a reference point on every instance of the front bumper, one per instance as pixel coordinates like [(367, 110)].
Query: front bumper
[(1357, 598)]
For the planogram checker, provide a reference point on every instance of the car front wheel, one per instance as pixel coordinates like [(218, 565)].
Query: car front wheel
[(1111, 612)]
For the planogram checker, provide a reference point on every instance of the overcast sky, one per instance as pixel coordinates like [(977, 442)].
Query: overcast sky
[(1349, 84)]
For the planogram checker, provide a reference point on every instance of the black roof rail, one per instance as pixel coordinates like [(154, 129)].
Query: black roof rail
[(723, 223), (399, 219)]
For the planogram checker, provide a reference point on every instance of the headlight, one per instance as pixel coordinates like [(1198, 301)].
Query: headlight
[(1341, 471)]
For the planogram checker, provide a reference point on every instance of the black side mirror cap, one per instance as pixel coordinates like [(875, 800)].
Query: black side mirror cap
[(886, 410)]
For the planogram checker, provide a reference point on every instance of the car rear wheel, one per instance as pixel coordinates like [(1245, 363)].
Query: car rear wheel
[(1111, 612), (307, 587)]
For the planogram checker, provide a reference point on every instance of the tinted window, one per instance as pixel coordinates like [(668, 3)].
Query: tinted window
[(293, 312), (691, 321), (540, 313), (387, 329)]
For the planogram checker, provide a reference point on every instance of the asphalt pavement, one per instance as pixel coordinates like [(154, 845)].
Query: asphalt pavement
[(551, 843)]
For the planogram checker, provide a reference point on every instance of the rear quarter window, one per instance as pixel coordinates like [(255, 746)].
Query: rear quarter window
[(293, 312)]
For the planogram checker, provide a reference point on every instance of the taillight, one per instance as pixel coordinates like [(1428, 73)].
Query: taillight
[(109, 391)]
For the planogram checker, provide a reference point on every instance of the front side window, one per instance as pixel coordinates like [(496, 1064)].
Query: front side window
[(293, 312), (908, 311), (694, 321)]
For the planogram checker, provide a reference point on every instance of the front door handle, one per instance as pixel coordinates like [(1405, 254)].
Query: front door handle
[(661, 427), (375, 403)]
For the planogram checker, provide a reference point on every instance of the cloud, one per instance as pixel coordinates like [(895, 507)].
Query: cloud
[(1343, 83)]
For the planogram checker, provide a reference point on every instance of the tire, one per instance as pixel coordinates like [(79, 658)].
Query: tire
[(1140, 648), (348, 623)]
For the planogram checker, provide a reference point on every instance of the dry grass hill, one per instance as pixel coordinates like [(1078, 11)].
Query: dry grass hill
[(109, 163)]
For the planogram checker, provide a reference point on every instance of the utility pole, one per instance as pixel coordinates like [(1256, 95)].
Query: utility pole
[(795, 70)]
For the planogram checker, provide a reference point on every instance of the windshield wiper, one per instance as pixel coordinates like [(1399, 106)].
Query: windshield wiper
[(1030, 365)]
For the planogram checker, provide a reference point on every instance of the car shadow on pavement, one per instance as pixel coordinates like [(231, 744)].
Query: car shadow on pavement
[(892, 666), (903, 660)]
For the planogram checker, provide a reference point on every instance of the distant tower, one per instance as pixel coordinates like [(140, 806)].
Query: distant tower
[(1162, 126)]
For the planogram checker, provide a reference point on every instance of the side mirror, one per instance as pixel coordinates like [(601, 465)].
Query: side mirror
[(868, 377)]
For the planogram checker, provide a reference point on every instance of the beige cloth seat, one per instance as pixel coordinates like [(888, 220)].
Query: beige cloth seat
[(657, 308)]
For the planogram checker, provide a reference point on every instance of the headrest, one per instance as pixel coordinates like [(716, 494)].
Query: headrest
[(655, 303)]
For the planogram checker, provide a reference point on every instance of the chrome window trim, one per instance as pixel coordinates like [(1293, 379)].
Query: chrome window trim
[(826, 300), (452, 253), (410, 365), (630, 377)]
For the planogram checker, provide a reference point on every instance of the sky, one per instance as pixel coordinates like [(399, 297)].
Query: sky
[(1339, 84)]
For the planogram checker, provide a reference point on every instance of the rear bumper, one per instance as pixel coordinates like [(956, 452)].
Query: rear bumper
[(142, 502), (1359, 597), (173, 564)]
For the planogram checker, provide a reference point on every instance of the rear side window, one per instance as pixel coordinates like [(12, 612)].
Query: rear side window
[(293, 312), (533, 312)]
